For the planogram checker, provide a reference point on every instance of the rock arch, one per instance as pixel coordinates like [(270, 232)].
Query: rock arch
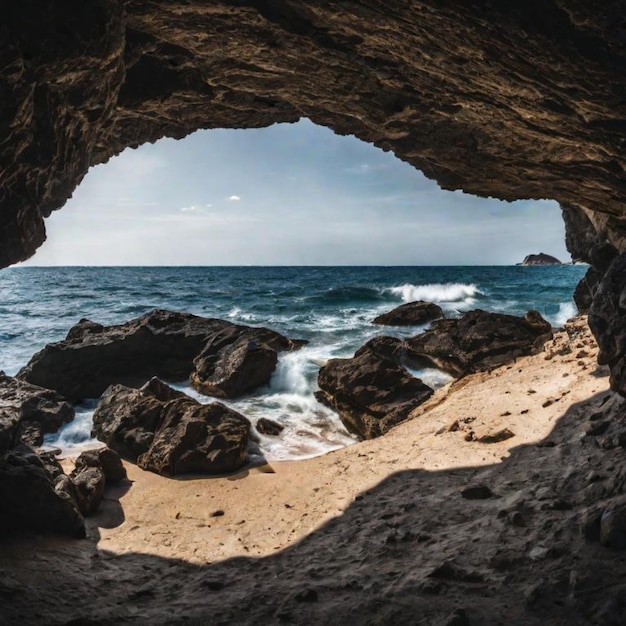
[(508, 101)]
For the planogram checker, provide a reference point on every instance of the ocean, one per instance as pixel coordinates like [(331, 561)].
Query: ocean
[(332, 307)]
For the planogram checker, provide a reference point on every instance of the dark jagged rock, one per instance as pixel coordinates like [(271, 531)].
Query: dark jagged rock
[(613, 524), (105, 459), (516, 100), (371, 392), (478, 341), (193, 437), (33, 497), (171, 436), (159, 343), (269, 427), (540, 259), (585, 290), (89, 485), (607, 320), (27, 412), (237, 370), (126, 420), (410, 314)]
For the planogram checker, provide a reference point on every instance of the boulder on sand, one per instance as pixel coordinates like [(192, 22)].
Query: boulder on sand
[(34, 496), (478, 341), (372, 391), (410, 314), (170, 433)]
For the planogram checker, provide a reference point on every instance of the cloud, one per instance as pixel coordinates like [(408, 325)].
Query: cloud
[(234, 198), (188, 209)]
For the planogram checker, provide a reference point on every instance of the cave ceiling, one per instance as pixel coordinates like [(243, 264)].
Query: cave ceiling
[(510, 100)]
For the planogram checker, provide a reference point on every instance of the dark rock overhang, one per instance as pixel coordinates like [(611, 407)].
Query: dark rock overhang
[(510, 100)]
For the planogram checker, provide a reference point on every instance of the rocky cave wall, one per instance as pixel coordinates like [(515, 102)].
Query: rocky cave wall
[(510, 100), (525, 101)]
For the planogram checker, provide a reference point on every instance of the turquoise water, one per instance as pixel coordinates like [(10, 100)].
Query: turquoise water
[(332, 307)]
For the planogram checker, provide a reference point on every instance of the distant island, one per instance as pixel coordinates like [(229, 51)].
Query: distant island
[(540, 259)]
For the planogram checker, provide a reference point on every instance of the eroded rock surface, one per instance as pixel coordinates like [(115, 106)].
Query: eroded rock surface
[(28, 411), (372, 391), (519, 100), (410, 314), (170, 433), (159, 343), (35, 494), (238, 359), (478, 341)]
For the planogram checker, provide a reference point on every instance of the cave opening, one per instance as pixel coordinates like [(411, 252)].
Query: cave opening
[(288, 194), (291, 227), (466, 515)]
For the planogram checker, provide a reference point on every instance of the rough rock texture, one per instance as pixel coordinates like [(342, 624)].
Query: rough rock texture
[(607, 320), (159, 343), (89, 485), (410, 314), (478, 341), (585, 289), (540, 259), (36, 495), (170, 433), (28, 411), (238, 359), (512, 100), (107, 460), (371, 392)]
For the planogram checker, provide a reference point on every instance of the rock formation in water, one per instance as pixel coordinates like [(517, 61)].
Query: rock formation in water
[(410, 314), (159, 343), (540, 259), (478, 341), (373, 391)]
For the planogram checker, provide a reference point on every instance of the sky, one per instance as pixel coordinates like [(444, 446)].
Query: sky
[(290, 194)]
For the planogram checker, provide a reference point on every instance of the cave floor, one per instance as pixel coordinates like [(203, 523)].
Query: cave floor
[(427, 525)]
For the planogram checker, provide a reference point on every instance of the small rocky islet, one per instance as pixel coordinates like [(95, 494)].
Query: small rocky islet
[(143, 420)]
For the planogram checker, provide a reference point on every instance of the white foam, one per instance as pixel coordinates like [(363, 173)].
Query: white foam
[(75, 437), (431, 376), (437, 292), (567, 310)]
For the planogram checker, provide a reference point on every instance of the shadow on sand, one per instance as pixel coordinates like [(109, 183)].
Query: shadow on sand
[(412, 550)]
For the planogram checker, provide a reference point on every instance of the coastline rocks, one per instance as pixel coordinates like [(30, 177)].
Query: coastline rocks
[(107, 460), (28, 411), (410, 314), (371, 392), (478, 341), (540, 259), (269, 427), (234, 369), (89, 484), (171, 434), (159, 343), (34, 497)]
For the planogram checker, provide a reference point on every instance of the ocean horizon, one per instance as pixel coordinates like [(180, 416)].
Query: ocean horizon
[(332, 307)]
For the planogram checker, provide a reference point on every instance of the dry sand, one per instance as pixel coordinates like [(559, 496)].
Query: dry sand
[(355, 536)]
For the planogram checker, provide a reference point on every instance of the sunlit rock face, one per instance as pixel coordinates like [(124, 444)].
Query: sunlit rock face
[(511, 100)]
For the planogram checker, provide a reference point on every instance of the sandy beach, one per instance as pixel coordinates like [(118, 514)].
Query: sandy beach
[(370, 533)]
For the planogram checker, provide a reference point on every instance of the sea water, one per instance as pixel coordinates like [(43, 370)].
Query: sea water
[(331, 307)]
